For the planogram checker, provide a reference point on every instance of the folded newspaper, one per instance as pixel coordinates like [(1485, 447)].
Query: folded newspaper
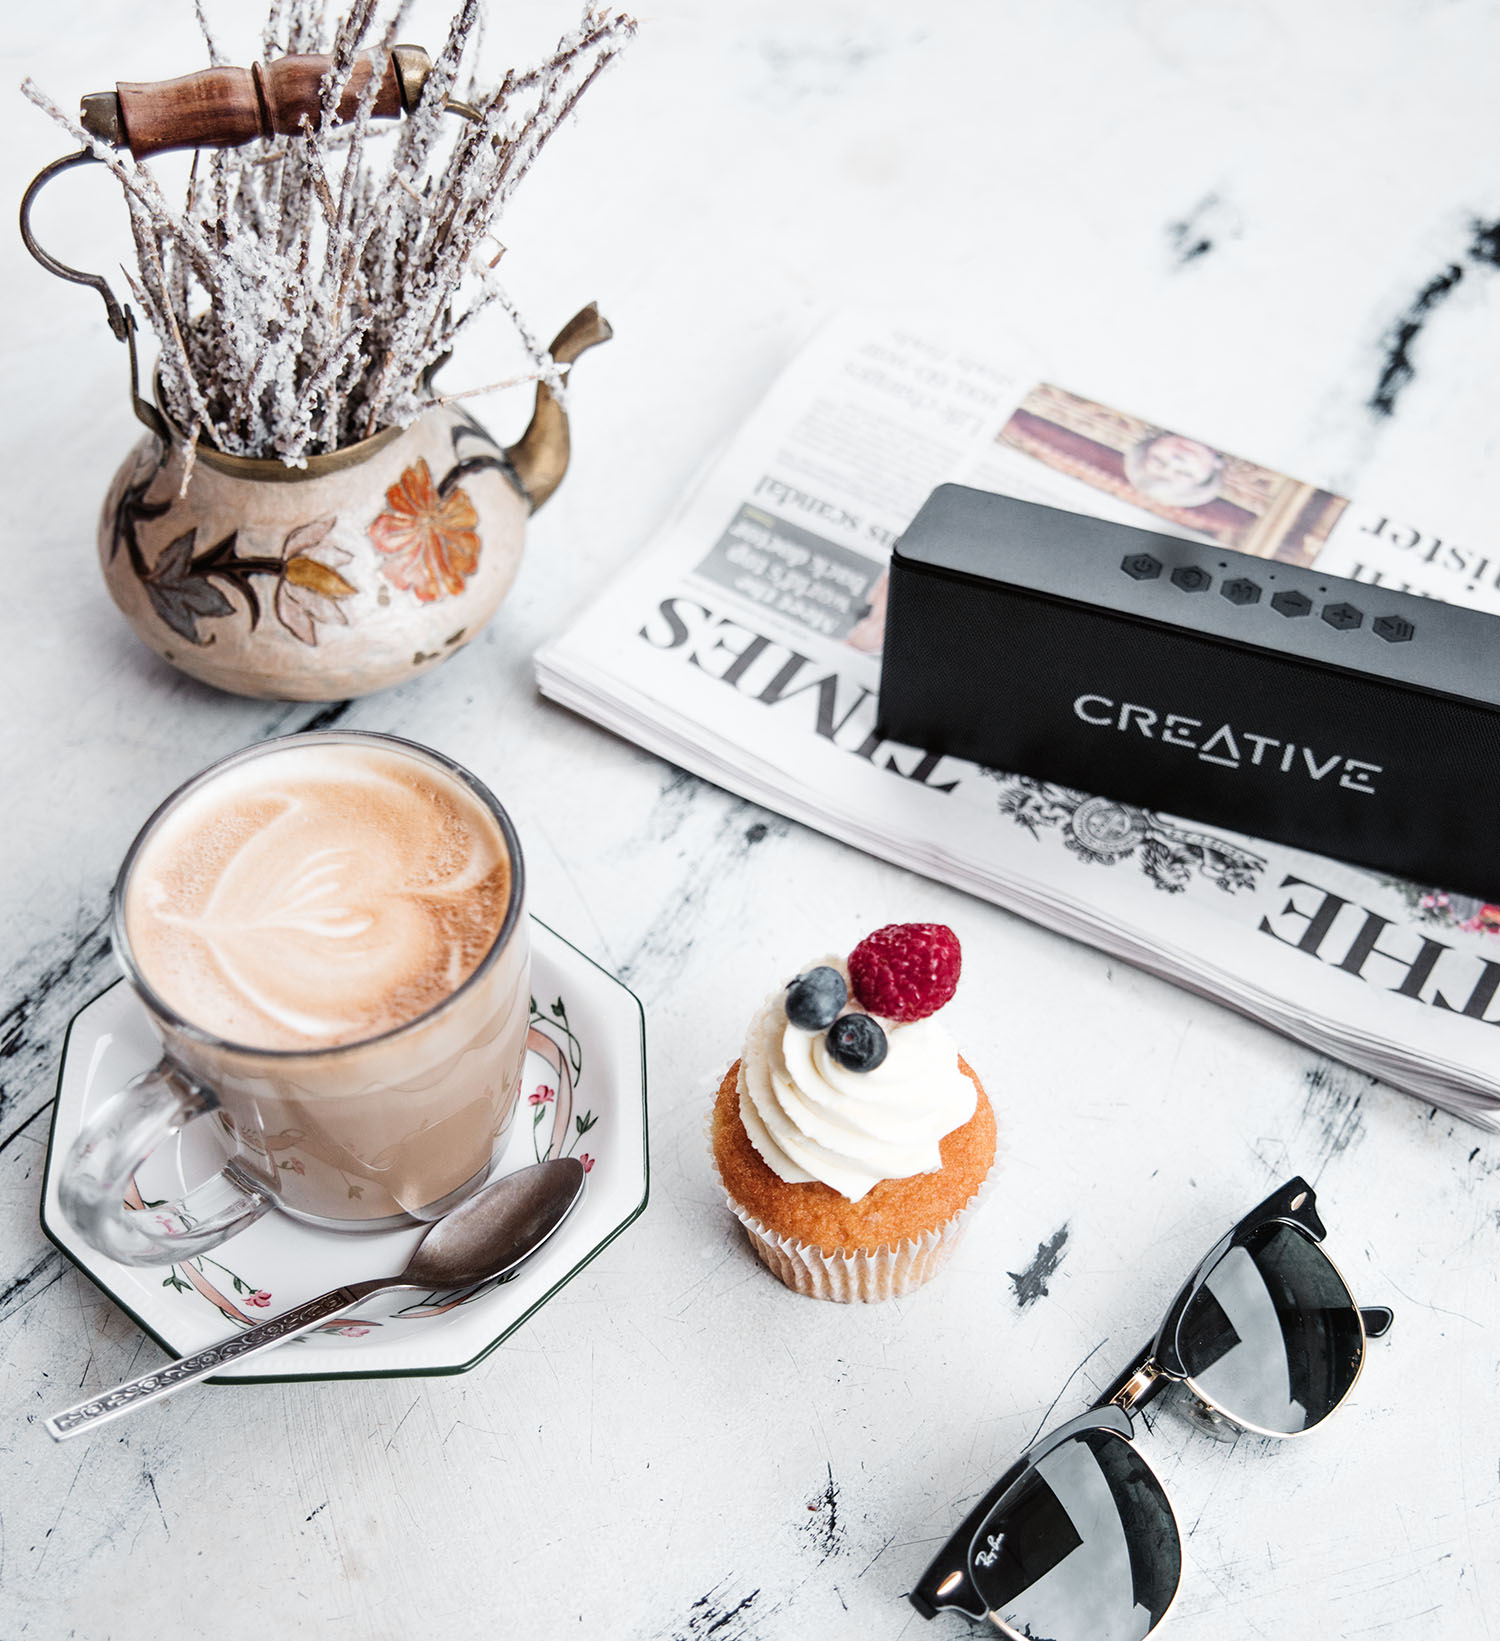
[(744, 644)]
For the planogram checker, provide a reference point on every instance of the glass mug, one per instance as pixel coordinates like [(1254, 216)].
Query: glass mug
[(395, 1127)]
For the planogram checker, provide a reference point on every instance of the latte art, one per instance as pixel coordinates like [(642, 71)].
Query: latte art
[(317, 895)]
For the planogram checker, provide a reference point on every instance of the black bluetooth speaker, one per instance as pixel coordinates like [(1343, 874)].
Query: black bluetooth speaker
[(1248, 693)]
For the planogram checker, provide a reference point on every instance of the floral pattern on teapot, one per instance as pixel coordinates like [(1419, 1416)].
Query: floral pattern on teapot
[(428, 536), (316, 585), (186, 586)]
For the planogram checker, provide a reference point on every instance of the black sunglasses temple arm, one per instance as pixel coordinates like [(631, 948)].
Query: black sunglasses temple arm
[(1377, 1320)]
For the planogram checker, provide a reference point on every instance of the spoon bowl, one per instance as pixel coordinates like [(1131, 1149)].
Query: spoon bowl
[(498, 1227)]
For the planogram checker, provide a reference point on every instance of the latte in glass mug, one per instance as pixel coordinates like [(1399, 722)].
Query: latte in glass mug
[(328, 933), (316, 896)]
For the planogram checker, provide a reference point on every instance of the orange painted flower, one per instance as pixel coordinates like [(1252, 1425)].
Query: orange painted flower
[(430, 540)]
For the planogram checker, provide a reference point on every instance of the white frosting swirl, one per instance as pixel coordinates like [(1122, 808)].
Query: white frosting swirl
[(811, 1118)]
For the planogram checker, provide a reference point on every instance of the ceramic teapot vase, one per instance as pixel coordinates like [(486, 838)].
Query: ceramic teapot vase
[(365, 567)]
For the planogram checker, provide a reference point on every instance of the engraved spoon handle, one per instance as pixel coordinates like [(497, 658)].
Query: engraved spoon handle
[(151, 1387)]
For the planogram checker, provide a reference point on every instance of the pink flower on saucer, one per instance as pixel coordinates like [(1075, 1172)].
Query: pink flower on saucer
[(542, 1095), (294, 1165), (349, 1330), (259, 1297), (587, 1161)]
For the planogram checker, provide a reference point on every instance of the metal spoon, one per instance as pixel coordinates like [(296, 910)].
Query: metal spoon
[(490, 1234)]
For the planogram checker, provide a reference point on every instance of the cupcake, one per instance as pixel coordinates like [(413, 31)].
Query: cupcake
[(851, 1137)]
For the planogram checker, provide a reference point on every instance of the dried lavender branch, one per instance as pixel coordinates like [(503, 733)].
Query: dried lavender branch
[(309, 27), (420, 132), (272, 43), (476, 51), (215, 56), (453, 240), (489, 387), (346, 43), (151, 294), (353, 177), (296, 314)]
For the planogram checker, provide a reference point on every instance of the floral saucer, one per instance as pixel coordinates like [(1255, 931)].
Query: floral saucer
[(583, 1094)]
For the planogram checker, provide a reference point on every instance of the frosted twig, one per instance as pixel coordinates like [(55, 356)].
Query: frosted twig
[(189, 458), (215, 56), (298, 307), (474, 392)]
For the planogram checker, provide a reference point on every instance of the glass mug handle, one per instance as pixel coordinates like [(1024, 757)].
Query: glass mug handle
[(115, 1141)]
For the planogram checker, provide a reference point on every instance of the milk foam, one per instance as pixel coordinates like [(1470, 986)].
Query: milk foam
[(317, 895)]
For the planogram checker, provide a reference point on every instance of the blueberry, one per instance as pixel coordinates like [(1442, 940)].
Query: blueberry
[(857, 1042), (813, 1000)]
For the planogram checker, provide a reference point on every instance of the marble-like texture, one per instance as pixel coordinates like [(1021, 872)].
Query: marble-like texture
[(1270, 223)]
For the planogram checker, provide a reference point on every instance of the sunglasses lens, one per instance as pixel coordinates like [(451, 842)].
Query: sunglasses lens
[(1085, 1549), (1273, 1337)]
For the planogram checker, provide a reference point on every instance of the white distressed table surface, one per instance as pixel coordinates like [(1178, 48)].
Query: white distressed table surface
[(1220, 215)]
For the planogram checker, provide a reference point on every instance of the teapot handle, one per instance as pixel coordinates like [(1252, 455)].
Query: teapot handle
[(121, 319), (218, 108), (225, 107)]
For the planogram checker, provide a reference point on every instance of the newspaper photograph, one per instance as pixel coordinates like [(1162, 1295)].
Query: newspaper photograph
[(744, 645)]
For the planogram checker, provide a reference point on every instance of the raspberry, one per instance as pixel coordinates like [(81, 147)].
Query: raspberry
[(906, 971)]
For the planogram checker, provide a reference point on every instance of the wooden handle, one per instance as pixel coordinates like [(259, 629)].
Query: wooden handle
[(224, 107)]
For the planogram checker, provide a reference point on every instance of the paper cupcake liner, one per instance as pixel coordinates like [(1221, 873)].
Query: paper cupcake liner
[(866, 1275)]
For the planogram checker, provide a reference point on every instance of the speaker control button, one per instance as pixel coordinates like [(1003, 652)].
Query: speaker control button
[(1290, 603), (1141, 566), (1394, 629), (1343, 616), (1241, 590), (1190, 579)]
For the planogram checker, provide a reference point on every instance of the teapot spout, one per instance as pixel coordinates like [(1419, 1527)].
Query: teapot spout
[(540, 456)]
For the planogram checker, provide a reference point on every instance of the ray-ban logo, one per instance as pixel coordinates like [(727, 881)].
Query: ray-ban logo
[(1226, 746), (988, 1556)]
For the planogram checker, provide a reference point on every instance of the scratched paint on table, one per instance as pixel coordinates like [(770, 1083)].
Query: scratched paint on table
[(1398, 368), (1210, 222), (721, 1614), (1031, 1284), (1332, 1108), (824, 1529), (738, 829)]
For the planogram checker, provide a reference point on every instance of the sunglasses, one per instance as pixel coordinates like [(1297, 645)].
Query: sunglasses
[(1077, 1540)]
